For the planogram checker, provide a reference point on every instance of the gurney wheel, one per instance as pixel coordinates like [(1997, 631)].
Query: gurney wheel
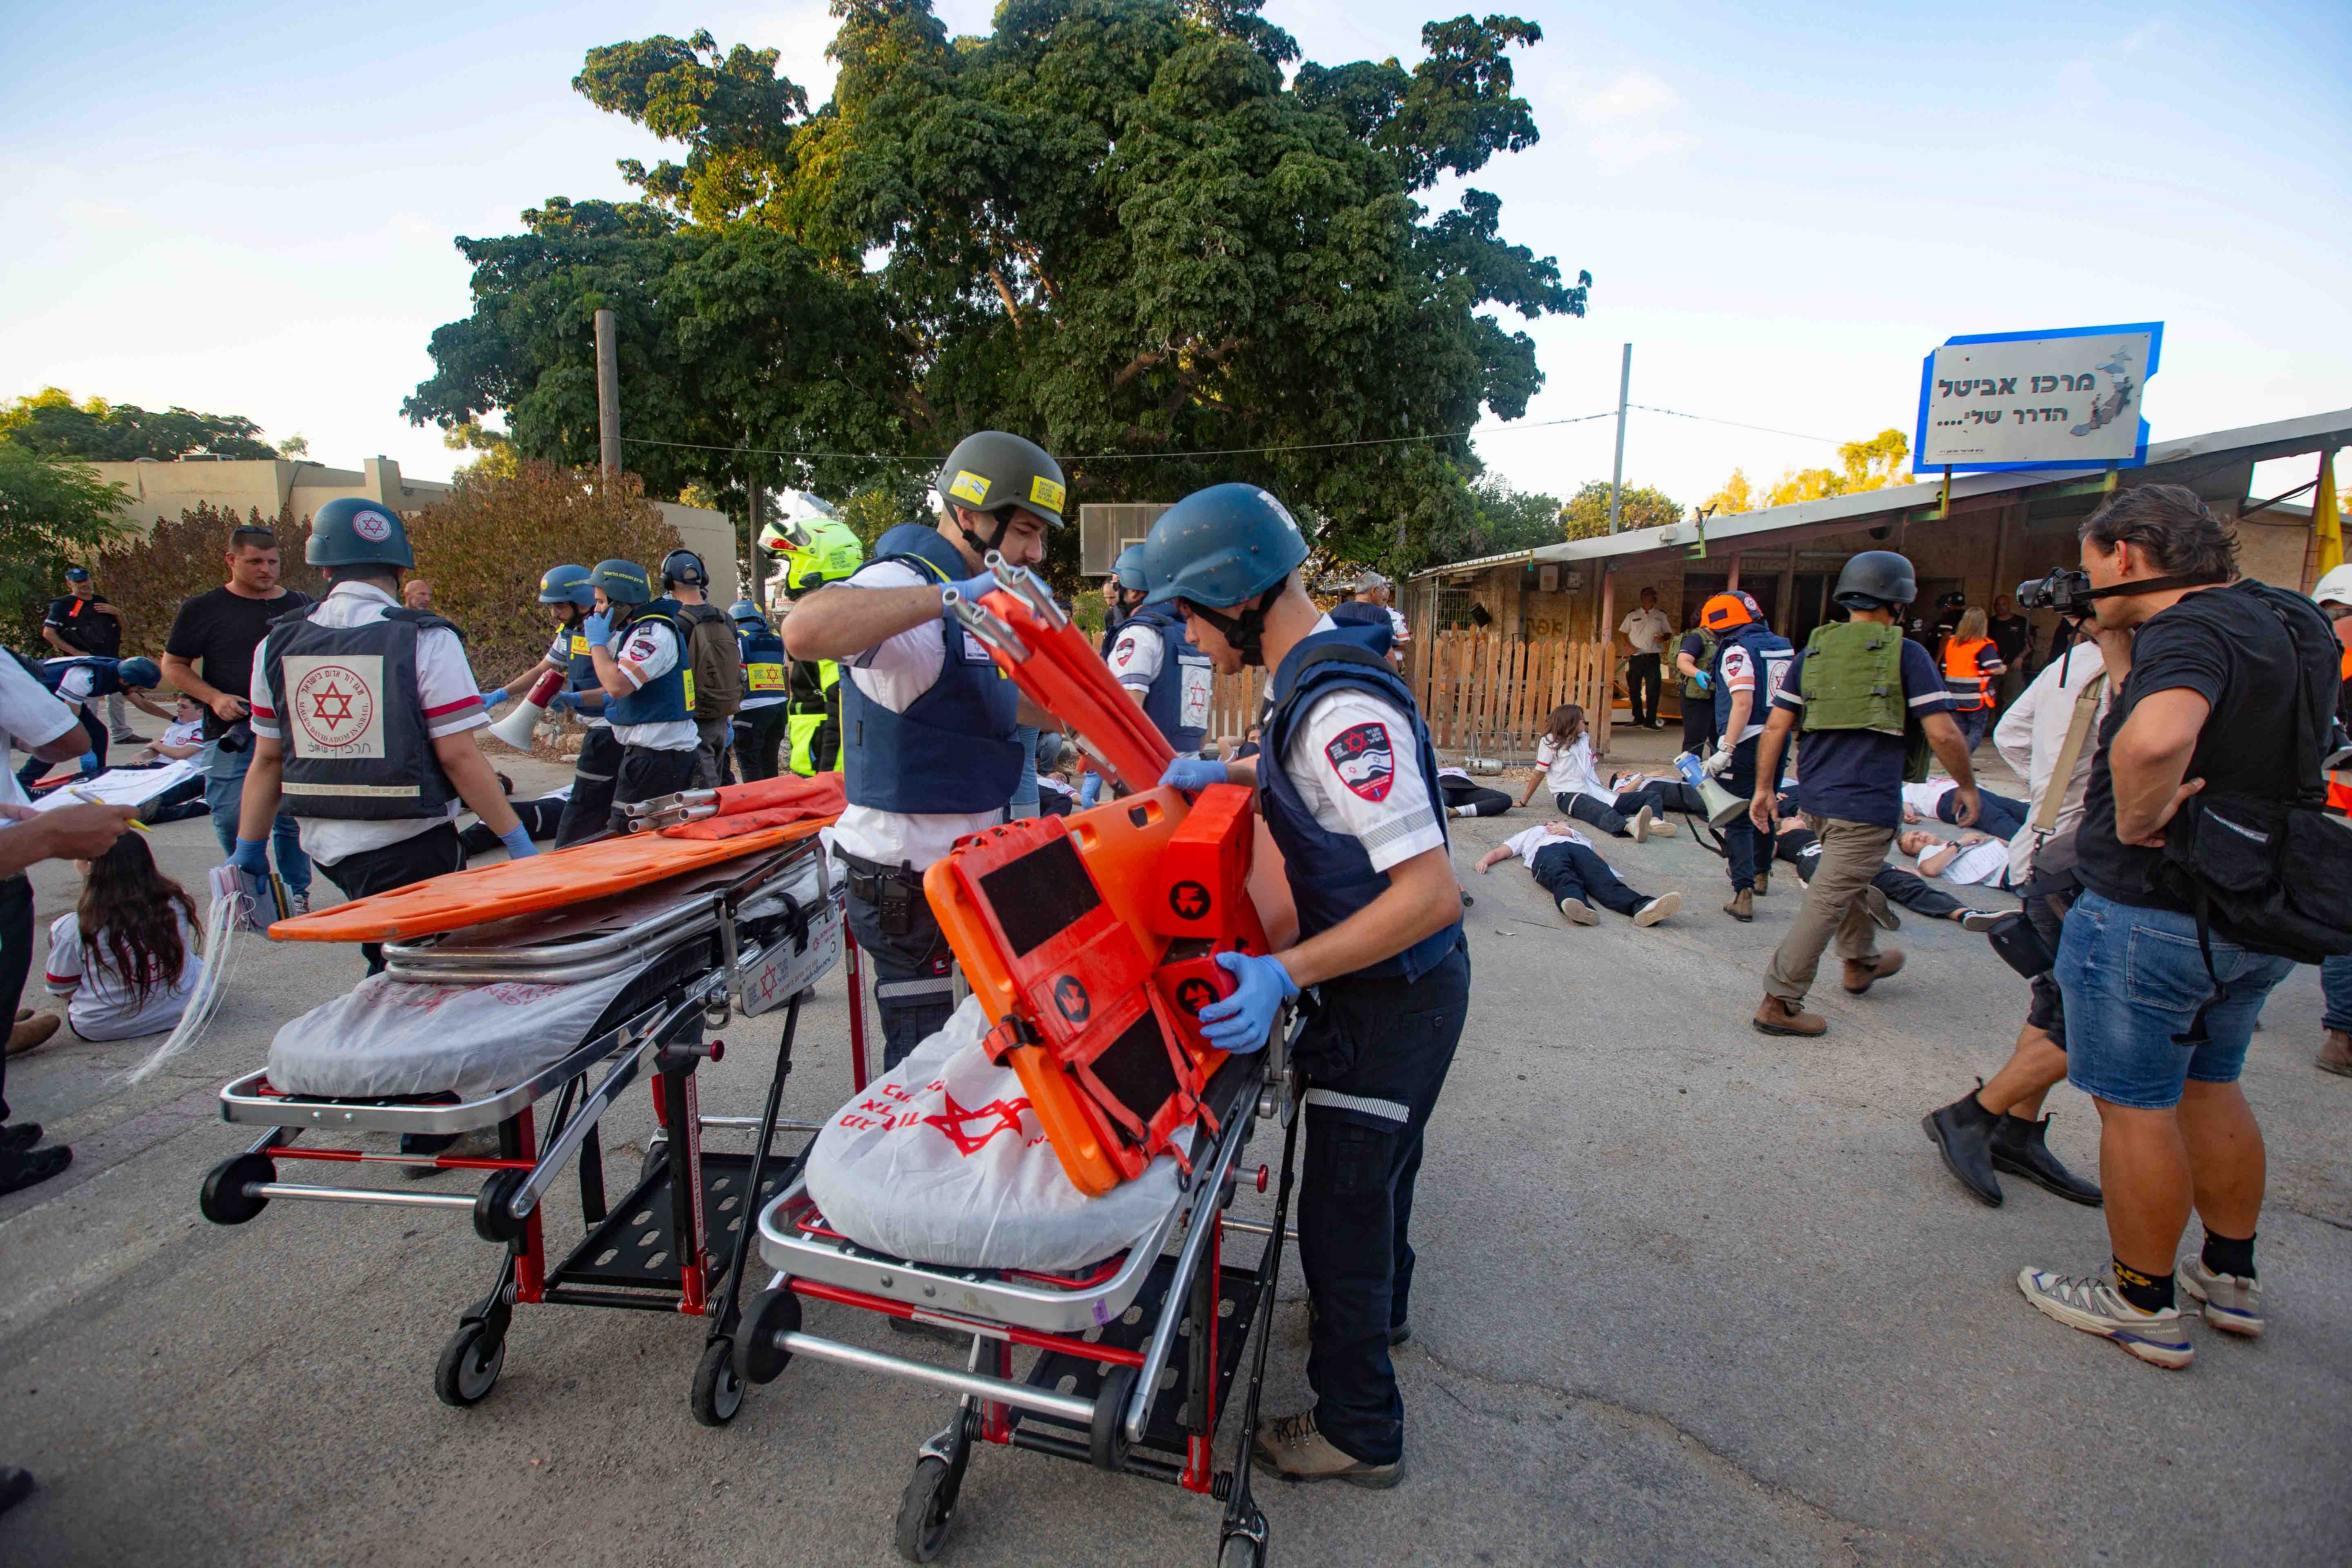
[(1107, 1442), (494, 1221), (1240, 1552), (223, 1200), (657, 1159), (768, 1314), (718, 1392), (469, 1366), (925, 1511)]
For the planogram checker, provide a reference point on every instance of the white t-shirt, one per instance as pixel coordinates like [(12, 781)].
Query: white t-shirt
[(446, 689), (894, 672), (1921, 797), (1647, 630), (1568, 769), (1986, 863), (190, 733), (102, 1006), (1353, 760), (648, 651), (1399, 634), (29, 717), (1526, 845)]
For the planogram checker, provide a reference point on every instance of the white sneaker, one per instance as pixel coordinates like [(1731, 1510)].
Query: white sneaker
[(1640, 826), (1579, 912), (2233, 1302), (297, 903), (1663, 826), (1657, 909), (2096, 1307)]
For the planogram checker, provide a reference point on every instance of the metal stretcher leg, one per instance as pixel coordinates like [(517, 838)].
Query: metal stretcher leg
[(1241, 1539), (718, 1391), (927, 1508)]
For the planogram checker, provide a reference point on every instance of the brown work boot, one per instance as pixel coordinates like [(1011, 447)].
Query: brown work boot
[(1742, 906), (1861, 975), (2335, 1054), (1292, 1448), (1763, 880), (1774, 1017), (32, 1033)]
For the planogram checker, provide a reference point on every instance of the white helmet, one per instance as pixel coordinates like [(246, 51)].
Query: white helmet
[(2335, 587)]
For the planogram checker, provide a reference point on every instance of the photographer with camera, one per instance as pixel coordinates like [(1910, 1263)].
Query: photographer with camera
[(2206, 867), (209, 656)]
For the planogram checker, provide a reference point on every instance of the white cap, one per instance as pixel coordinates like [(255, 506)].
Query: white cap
[(2335, 587)]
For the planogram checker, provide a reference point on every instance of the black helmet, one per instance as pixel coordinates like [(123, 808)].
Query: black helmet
[(684, 567), (1876, 580), (624, 581), (993, 472), (348, 531)]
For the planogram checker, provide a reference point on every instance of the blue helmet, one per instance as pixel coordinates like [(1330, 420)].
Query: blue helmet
[(624, 582), (351, 532), (1223, 545), (567, 585), (138, 674), (1129, 570), (744, 613)]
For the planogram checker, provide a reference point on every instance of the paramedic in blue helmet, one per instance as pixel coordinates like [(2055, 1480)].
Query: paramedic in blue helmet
[(760, 722), (639, 644), (362, 713), (1156, 663), (928, 747), (1347, 782), (565, 590), (78, 682)]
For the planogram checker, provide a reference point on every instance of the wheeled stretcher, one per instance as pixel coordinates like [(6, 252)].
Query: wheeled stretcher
[(749, 934)]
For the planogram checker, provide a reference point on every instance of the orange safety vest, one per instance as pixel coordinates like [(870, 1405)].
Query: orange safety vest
[(2339, 784), (1969, 690)]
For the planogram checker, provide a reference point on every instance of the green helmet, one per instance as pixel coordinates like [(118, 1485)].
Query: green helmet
[(348, 531), (624, 581), (993, 472)]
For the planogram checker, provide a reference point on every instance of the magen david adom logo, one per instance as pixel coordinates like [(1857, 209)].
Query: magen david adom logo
[(336, 713), (372, 526)]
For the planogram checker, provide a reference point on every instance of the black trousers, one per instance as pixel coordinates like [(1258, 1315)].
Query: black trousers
[(15, 960), (1641, 686), (431, 853), (1567, 870), (1914, 892), (758, 739), (541, 817), (35, 769), (591, 806), (1483, 802), (913, 989), (1698, 724), (645, 773), (1375, 1056), (1745, 854)]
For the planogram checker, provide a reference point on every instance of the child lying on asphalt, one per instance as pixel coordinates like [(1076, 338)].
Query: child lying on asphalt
[(1565, 865)]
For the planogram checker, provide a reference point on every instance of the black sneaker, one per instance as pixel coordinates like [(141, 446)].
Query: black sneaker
[(17, 1139), (16, 1485), (18, 1171)]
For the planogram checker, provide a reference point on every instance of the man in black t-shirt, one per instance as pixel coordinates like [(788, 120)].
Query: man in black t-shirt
[(209, 656), (2013, 638), (83, 622), (2206, 681)]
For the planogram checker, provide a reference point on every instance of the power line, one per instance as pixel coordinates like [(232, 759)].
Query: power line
[(1736, 424)]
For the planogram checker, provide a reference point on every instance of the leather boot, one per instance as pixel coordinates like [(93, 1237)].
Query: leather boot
[(1774, 1017), (1742, 907), (1962, 1133), (2019, 1148), (1860, 976), (1763, 880), (2335, 1054)]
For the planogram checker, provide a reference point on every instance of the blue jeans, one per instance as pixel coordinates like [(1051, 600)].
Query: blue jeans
[(224, 794), (1090, 790), (2335, 982), (2143, 1017)]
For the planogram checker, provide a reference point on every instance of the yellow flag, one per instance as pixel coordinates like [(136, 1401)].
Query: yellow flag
[(2327, 520)]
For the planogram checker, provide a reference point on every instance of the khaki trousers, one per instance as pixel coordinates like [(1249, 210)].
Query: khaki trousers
[(1851, 853)]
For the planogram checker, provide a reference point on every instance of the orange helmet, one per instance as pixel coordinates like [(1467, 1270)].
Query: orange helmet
[(1724, 611)]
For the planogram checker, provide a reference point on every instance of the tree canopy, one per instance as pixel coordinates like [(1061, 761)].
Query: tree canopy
[(53, 510), (94, 430), (1109, 225), (1586, 515), (1871, 464)]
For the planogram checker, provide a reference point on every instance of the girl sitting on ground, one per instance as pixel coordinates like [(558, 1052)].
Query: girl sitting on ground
[(1573, 875), (1564, 764), (128, 957)]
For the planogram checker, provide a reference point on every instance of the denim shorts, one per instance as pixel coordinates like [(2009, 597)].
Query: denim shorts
[(2142, 1017)]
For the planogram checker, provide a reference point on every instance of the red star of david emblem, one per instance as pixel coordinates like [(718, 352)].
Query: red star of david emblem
[(999, 1115), (341, 712)]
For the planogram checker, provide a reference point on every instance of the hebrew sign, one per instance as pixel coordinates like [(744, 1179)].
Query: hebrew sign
[(2064, 399)]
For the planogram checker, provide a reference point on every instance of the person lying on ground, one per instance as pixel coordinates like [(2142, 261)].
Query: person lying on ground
[(1564, 764), (1565, 865), (1973, 860), (542, 815), (1801, 846), (128, 956), (1464, 796), (1999, 815), (1668, 790)]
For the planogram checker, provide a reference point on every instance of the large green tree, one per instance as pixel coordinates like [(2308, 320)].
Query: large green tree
[(1586, 515), (1109, 223), (53, 510), (94, 430)]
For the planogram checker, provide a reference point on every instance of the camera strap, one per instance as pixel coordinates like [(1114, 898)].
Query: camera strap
[(2078, 731), (2152, 585)]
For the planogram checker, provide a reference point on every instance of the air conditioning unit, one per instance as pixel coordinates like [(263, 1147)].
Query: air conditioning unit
[(1106, 528)]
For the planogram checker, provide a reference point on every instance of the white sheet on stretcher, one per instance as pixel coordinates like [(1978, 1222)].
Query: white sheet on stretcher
[(941, 1161), (393, 1037)]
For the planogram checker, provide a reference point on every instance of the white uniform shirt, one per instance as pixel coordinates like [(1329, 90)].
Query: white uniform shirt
[(894, 672), (1984, 863), (1139, 655), (29, 717), (2033, 731), (1921, 797), (445, 691), (648, 651), (559, 654), (1353, 760), (190, 733), (1647, 630), (1568, 769), (1526, 845), (104, 1007), (75, 686), (1399, 634), (1739, 675)]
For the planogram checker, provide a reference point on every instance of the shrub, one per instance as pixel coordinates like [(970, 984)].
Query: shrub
[(149, 579)]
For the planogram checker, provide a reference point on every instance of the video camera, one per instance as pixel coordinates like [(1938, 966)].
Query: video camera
[(2067, 591)]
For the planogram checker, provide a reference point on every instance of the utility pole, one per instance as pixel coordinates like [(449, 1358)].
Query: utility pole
[(608, 396), (1617, 475), (754, 529)]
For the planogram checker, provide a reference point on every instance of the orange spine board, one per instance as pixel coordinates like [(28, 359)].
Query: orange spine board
[(1064, 675)]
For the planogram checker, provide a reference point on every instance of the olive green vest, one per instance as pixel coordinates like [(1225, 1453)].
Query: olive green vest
[(1854, 678), (1691, 684)]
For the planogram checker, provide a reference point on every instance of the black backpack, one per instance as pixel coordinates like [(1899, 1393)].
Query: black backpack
[(2272, 872)]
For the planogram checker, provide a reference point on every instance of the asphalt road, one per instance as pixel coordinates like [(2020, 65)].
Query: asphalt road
[(1688, 1294)]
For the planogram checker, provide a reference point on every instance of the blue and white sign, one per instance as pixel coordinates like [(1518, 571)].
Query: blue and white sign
[(2063, 399)]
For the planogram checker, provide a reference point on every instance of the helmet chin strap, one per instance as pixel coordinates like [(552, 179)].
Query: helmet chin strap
[(1245, 631), (994, 542)]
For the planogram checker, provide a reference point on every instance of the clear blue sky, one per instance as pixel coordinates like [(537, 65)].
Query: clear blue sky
[(248, 207)]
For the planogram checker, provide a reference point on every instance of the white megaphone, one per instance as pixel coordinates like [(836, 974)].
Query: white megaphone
[(516, 727), (1723, 807)]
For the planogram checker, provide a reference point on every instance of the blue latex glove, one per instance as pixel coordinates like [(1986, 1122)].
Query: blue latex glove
[(492, 699), (1706, 681), (1090, 790), (1193, 774), (252, 854), (563, 702), (597, 627), (972, 588), (1241, 1022), (518, 843)]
